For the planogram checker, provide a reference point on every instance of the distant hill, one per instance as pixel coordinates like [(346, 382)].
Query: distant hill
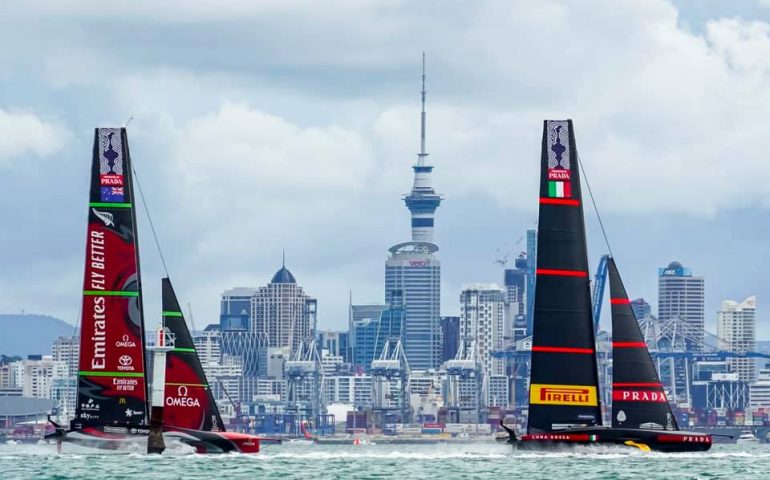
[(30, 334)]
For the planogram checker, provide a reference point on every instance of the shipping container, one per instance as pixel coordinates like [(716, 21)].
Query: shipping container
[(453, 428), (432, 425)]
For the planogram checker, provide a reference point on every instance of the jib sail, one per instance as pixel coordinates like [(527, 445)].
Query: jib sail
[(111, 376), (564, 379), (188, 401), (638, 400)]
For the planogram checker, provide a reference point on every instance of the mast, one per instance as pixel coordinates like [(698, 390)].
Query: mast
[(638, 399), (112, 389), (564, 381), (189, 402)]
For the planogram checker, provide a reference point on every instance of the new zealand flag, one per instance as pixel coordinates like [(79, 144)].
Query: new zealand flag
[(112, 194)]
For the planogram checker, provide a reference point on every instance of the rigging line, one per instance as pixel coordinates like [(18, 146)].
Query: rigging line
[(593, 202), (78, 319), (152, 226)]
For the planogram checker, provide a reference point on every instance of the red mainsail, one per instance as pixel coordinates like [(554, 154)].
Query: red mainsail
[(111, 377)]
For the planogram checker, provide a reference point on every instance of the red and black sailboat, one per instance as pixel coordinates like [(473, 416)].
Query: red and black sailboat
[(564, 399), (112, 395), (112, 389), (190, 413)]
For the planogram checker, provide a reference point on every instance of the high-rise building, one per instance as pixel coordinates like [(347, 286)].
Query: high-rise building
[(531, 277), (680, 294), (208, 344), (235, 308), (348, 389), (282, 313), (11, 377), (481, 321), (66, 351), (331, 364), (39, 373), (336, 343), (759, 392), (516, 286), (413, 271), (498, 391), (641, 308), (371, 326), (450, 337), (7, 379), (234, 341), (736, 329), (516, 282)]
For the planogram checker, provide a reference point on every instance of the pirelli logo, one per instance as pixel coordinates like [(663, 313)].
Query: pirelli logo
[(575, 395)]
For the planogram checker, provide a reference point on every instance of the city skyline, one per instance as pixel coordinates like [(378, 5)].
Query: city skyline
[(348, 121)]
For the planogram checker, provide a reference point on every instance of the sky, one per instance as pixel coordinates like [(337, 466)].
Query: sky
[(291, 125)]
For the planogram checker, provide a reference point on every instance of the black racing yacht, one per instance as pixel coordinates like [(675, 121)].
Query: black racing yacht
[(564, 394)]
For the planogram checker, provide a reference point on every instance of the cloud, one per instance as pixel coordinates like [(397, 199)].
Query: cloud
[(268, 125), (666, 119), (26, 133), (247, 149)]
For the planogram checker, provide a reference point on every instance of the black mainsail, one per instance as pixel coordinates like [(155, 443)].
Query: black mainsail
[(189, 402), (564, 380), (564, 395), (638, 399)]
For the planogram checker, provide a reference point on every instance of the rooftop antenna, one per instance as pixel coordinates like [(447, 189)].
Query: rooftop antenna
[(283, 258), (421, 156), (128, 121)]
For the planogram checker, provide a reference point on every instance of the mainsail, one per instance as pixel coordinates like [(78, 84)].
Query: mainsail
[(638, 400), (564, 379), (189, 402), (111, 376)]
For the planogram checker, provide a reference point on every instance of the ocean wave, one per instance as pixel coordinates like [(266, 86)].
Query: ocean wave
[(379, 455)]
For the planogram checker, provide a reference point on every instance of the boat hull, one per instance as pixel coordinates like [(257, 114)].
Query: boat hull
[(646, 440), (107, 439)]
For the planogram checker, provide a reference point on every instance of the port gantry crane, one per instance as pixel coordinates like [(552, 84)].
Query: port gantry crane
[(390, 380), (666, 342), (465, 383), (304, 385)]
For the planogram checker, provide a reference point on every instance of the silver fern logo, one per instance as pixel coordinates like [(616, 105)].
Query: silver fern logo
[(105, 217)]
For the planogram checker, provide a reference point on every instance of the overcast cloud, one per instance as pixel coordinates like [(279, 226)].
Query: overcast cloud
[(272, 125)]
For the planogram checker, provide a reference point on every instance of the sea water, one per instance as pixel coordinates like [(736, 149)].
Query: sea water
[(441, 461)]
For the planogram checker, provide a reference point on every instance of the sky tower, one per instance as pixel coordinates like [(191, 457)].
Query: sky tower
[(413, 272), (423, 201)]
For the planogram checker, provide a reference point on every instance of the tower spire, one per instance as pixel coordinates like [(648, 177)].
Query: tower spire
[(421, 156), (422, 201)]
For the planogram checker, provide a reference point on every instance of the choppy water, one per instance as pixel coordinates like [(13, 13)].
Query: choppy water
[(397, 461)]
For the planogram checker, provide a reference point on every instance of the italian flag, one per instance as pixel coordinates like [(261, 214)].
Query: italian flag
[(559, 189), (592, 438)]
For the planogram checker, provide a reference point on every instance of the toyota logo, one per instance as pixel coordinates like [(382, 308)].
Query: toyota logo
[(126, 360)]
